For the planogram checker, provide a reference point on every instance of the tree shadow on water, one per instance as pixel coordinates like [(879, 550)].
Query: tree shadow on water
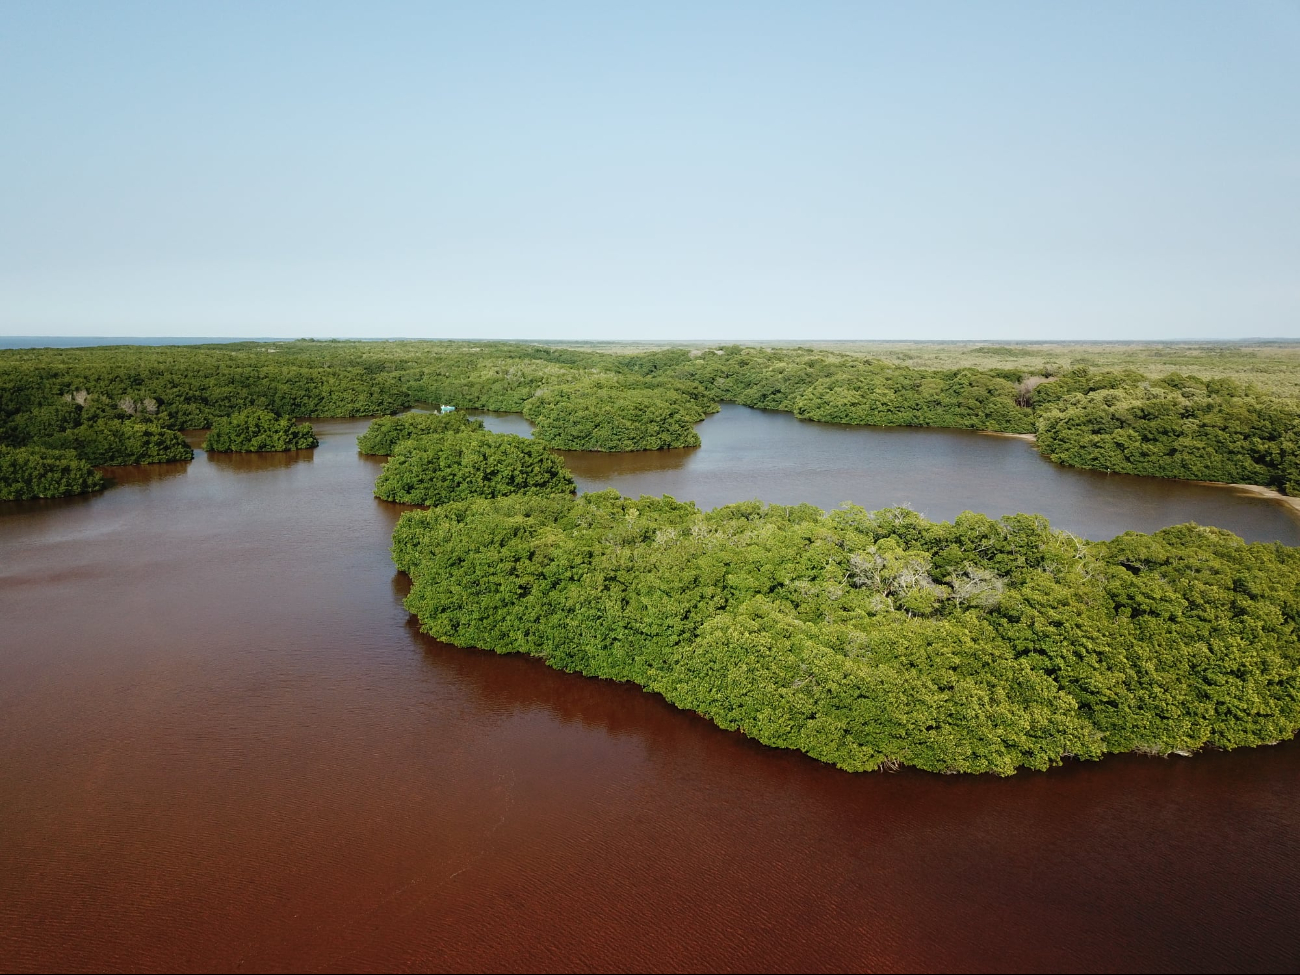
[(266, 460), (599, 466), (504, 684), (145, 473), (1068, 797)]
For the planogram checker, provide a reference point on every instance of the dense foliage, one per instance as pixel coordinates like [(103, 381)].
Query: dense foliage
[(837, 388), (253, 430), (497, 377), (579, 401), (875, 639), (38, 472), (188, 387), (1175, 426), (110, 442), (1269, 365), (387, 432), (1178, 426), (610, 416), (97, 431), (441, 468)]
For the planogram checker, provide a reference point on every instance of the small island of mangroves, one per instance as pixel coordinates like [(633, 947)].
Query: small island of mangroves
[(255, 430), (441, 468)]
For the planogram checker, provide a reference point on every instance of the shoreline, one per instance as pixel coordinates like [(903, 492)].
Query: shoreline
[(1260, 491), (1028, 437)]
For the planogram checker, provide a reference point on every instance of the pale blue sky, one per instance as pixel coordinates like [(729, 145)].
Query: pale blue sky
[(1044, 170)]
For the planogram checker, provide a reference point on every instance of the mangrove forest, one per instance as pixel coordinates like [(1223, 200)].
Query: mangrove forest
[(868, 640)]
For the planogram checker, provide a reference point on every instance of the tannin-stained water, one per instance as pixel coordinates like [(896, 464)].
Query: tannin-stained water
[(225, 745)]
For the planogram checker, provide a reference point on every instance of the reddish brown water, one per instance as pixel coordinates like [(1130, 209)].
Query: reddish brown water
[(224, 745)]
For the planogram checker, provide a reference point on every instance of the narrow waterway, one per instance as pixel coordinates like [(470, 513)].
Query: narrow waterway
[(775, 457)]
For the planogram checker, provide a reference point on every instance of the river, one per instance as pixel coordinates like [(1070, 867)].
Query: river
[(225, 745), (776, 457)]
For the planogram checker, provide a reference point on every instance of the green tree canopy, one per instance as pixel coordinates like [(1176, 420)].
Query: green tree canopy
[(38, 472), (113, 442), (1177, 427), (387, 432), (254, 430), (449, 467), (870, 640), (606, 416)]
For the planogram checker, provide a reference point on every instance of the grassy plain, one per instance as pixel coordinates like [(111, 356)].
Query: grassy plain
[(1270, 365)]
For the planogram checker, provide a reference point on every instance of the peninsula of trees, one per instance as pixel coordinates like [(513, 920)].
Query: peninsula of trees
[(873, 640), (39, 472)]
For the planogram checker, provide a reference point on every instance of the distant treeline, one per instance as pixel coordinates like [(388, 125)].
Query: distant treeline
[(872, 640), (836, 388), (124, 405)]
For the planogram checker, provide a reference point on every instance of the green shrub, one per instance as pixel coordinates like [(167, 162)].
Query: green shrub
[(37, 472), (252, 430), (111, 442), (837, 388), (387, 432), (1176, 427), (457, 466), (609, 417)]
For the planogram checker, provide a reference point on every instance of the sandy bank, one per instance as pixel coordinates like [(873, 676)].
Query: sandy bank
[(1263, 492), (1255, 489)]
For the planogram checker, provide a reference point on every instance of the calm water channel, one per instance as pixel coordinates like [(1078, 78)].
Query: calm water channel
[(224, 745)]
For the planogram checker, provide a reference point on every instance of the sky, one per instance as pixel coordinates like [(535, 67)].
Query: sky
[(658, 170)]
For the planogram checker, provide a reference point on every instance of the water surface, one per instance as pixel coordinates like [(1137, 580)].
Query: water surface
[(776, 457), (224, 745)]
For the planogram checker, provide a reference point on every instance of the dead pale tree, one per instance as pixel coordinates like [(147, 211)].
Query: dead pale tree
[(127, 405), (150, 405), (865, 570), (977, 586), (1025, 391), (80, 397)]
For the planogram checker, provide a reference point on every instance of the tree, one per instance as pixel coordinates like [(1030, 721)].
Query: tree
[(254, 430), (449, 467)]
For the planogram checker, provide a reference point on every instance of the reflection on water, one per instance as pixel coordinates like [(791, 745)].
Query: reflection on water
[(224, 742), (775, 457), (146, 473), (262, 460), (504, 422), (594, 468)]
